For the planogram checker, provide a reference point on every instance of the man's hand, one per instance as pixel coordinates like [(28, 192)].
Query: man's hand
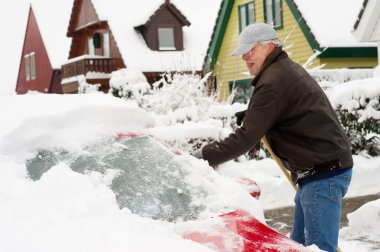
[(239, 117)]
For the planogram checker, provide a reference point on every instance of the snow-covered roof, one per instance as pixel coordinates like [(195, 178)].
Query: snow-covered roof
[(123, 16), (368, 22), (331, 21), (53, 19)]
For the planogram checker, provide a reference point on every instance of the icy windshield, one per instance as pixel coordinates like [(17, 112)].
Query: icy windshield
[(150, 180)]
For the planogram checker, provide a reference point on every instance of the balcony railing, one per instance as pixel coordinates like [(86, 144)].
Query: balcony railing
[(81, 65)]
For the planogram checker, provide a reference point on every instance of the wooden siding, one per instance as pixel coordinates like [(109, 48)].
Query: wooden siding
[(56, 87), (295, 42), (44, 73), (87, 14)]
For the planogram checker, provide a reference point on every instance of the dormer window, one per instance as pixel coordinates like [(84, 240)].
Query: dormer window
[(163, 30), (166, 39)]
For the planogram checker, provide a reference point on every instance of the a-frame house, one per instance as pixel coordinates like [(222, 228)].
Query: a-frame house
[(152, 36), (45, 47)]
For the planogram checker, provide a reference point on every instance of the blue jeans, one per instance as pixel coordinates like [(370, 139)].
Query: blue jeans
[(317, 211)]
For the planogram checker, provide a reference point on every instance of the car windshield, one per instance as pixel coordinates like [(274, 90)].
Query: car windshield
[(150, 180)]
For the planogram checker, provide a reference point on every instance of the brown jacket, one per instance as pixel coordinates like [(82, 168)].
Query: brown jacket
[(293, 112)]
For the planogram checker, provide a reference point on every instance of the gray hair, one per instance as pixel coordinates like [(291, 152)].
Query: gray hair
[(276, 42)]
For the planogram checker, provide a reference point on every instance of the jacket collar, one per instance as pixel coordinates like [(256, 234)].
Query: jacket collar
[(276, 54)]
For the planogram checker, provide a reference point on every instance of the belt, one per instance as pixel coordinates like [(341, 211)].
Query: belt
[(328, 166)]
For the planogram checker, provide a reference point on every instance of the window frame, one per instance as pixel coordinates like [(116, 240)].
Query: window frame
[(90, 46), (30, 66), (246, 8), (163, 48), (106, 44), (33, 73), (274, 14), (27, 67)]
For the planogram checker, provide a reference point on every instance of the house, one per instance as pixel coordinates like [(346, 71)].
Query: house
[(367, 25), (152, 36), (305, 27), (45, 47)]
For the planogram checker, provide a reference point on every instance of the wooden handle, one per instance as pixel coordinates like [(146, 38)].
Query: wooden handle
[(279, 162)]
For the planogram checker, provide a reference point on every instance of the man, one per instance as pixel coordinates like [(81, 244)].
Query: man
[(292, 111)]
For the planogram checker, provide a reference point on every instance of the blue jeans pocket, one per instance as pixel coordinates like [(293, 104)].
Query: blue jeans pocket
[(339, 185)]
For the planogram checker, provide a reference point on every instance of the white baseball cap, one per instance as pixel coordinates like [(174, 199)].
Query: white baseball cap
[(251, 35)]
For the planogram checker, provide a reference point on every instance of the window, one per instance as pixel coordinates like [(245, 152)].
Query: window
[(91, 48), (30, 66), (97, 40), (273, 13), (106, 44), (166, 39), (27, 67), (241, 90), (246, 15)]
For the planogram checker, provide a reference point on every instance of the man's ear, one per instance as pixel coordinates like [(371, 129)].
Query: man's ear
[(271, 45)]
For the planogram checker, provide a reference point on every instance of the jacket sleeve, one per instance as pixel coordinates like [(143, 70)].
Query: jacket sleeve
[(263, 112)]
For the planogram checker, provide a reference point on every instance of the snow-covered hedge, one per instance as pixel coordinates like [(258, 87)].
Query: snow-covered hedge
[(340, 75), (357, 104)]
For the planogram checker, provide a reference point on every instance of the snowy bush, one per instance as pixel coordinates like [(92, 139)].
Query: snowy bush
[(358, 109), (85, 88), (129, 84)]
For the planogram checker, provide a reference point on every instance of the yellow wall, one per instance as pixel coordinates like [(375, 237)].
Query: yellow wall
[(230, 68)]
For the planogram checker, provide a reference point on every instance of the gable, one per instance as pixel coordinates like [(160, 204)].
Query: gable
[(169, 18), (34, 45), (83, 14), (167, 13)]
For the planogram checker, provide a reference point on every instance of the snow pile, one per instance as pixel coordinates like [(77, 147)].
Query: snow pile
[(364, 224), (68, 121), (68, 211), (357, 94)]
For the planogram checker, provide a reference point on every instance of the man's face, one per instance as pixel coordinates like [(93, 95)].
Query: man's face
[(255, 58)]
